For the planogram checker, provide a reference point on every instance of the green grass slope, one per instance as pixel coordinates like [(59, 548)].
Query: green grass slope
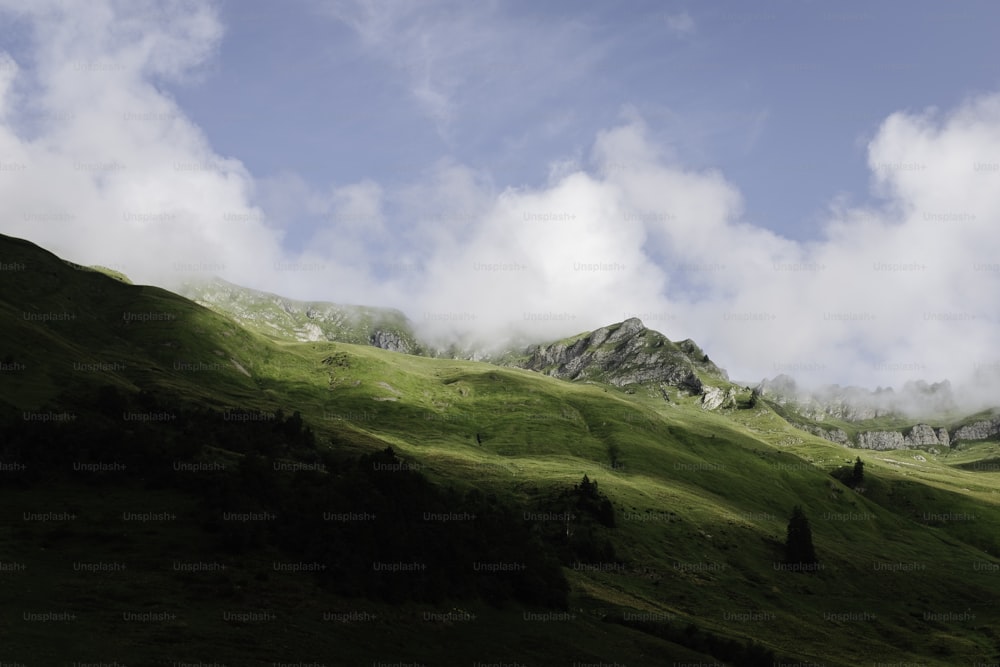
[(701, 501)]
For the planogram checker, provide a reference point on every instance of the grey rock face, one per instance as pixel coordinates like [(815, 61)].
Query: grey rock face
[(624, 354), (714, 398), (816, 406), (920, 435), (924, 435), (390, 340), (274, 315), (855, 404), (978, 431), (881, 440), (780, 389), (853, 412), (833, 435)]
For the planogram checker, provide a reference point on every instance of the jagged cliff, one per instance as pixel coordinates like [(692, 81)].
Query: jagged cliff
[(628, 353), (833, 435), (979, 430), (852, 404), (920, 435)]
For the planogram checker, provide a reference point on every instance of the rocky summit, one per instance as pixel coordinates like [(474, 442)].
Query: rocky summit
[(622, 354), (626, 354)]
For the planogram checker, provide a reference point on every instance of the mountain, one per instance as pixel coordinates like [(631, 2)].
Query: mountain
[(854, 404), (921, 415), (172, 481), (278, 317), (628, 354)]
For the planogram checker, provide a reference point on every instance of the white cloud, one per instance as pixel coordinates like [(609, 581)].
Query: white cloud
[(459, 58), (902, 289), (118, 174)]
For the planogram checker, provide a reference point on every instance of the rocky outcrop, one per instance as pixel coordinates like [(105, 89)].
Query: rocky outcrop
[(850, 412), (623, 354), (979, 430), (833, 435), (840, 403), (923, 435), (780, 389), (280, 317), (309, 332), (881, 440), (855, 404), (920, 435), (390, 340), (714, 398)]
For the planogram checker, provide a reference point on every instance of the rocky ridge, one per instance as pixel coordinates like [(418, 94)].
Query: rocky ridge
[(273, 315), (627, 354), (920, 435), (854, 404)]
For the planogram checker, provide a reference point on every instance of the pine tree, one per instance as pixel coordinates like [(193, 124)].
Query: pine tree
[(858, 476), (799, 546)]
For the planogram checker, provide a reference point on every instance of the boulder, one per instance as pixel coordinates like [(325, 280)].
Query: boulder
[(713, 398)]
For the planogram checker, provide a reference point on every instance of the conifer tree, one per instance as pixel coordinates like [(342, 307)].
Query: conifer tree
[(858, 475), (799, 546)]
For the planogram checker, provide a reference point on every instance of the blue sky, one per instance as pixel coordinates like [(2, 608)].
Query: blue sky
[(781, 96), (801, 187)]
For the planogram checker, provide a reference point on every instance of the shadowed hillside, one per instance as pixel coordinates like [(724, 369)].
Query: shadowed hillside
[(172, 479)]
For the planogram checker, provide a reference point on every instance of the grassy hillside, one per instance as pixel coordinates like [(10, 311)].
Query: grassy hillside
[(277, 317), (694, 567)]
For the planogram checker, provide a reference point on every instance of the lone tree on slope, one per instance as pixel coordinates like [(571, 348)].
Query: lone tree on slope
[(858, 475), (799, 546)]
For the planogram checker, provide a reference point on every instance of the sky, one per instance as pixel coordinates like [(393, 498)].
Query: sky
[(801, 187)]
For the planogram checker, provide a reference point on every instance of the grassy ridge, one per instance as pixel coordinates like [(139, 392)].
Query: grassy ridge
[(286, 319), (701, 499)]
